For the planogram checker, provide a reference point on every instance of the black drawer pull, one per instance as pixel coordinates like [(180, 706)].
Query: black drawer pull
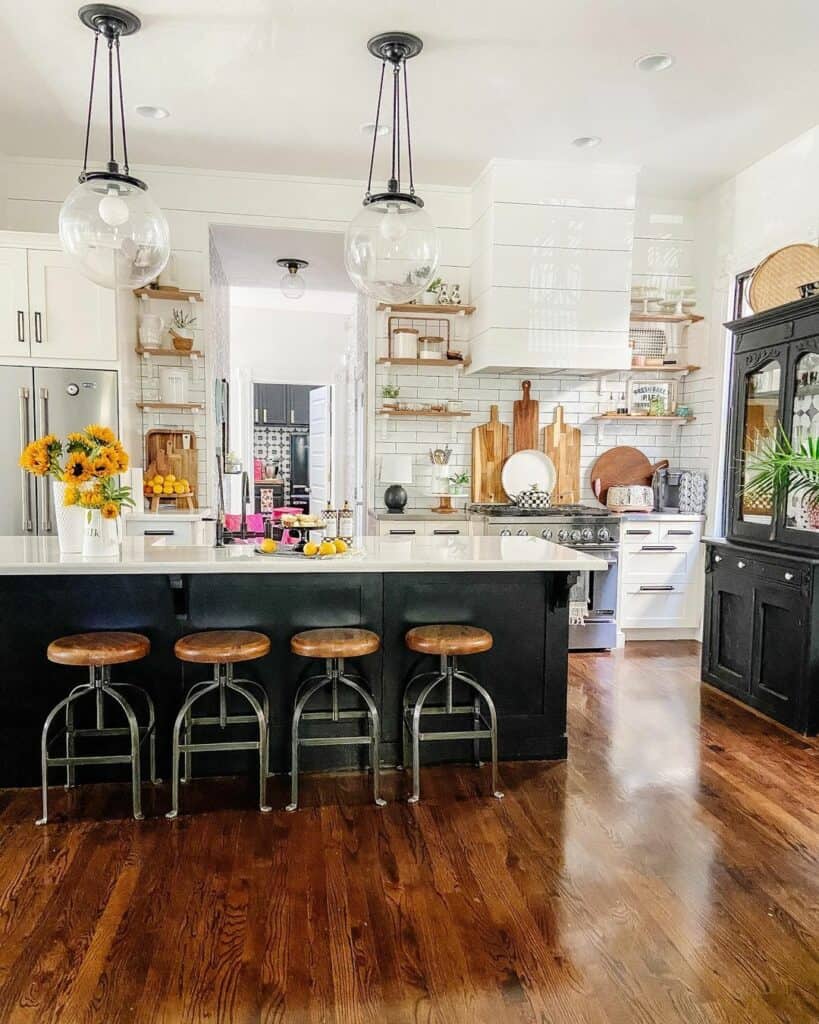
[(402, 533), (649, 588), (680, 533), (446, 533), (658, 547), (159, 533), (638, 533)]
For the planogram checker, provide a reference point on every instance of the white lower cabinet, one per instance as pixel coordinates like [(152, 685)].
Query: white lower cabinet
[(660, 569), (422, 528)]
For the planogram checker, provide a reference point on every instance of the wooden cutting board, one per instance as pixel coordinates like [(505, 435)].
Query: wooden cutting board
[(562, 444), (525, 420), (490, 449), (164, 454), (622, 465)]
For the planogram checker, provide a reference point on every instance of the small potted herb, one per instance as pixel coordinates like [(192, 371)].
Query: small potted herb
[(182, 330), (389, 396), (430, 296), (458, 483)]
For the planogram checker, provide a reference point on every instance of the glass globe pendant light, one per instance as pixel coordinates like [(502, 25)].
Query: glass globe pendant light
[(391, 248), (291, 284), (109, 225)]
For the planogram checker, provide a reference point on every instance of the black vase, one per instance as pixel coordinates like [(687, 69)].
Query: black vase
[(395, 498)]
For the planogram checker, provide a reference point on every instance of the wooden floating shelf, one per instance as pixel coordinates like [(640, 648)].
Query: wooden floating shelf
[(385, 360), (411, 307), (169, 294), (663, 369), (421, 412), (193, 353), (645, 419), (177, 406), (666, 318)]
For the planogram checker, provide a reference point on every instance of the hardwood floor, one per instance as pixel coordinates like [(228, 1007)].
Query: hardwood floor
[(667, 872)]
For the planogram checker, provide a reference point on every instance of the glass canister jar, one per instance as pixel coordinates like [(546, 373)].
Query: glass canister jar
[(431, 346)]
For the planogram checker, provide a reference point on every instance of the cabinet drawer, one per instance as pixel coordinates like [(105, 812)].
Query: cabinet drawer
[(411, 529), (782, 571), (657, 606), (640, 533), (645, 565), (681, 534), (173, 533)]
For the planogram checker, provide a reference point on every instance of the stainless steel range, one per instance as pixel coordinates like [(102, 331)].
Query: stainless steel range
[(593, 600)]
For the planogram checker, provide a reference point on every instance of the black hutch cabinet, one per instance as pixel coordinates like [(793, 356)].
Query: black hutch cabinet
[(761, 626)]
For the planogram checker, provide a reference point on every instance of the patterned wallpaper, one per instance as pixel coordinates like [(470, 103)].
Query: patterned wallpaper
[(272, 445)]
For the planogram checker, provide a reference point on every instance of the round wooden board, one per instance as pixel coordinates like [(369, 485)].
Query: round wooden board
[(776, 280), (622, 465)]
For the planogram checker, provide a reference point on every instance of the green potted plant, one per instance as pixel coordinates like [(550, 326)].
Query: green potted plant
[(389, 395), (458, 483), (182, 330), (778, 470), (430, 296)]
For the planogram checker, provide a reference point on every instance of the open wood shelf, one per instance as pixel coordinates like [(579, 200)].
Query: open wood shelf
[(666, 318), (623, 417), (411, 307), (169, 294), (384, 360), (686, 368), (193, 353), (177, 406), (422, 412)]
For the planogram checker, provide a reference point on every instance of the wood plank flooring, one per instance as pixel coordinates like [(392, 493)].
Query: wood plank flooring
[(666, 873)]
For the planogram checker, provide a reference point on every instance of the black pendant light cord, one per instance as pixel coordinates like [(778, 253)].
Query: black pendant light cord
[(399, 67), (409, 137), (90, 106), (122, 114), (111, 161), (375, 130)]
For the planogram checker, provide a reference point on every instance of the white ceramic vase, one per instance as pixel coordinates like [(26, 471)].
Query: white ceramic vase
[(70, 521), (101, 537)]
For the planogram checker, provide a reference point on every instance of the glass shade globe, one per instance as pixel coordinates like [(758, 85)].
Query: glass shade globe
[(391, 249), (115, 232), (291, 285)]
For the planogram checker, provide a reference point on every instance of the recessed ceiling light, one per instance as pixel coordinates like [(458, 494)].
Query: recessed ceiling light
[(154, 113), (654, 62), (586, 141), (368, 128)]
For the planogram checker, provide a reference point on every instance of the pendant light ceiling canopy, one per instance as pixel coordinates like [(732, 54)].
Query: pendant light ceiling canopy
[(109, 225), (391, 248), (292, 283)]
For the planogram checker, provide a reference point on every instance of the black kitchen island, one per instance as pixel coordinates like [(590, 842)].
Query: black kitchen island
[(517, 588)]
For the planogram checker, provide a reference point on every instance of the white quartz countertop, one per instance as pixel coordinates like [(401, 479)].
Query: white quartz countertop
[(140, 555)]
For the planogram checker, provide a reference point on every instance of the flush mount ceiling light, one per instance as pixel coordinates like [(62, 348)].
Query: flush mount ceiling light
[(586, 141), (654, 62), (152, 113), (391, 248), (109, 225), (292, 283)]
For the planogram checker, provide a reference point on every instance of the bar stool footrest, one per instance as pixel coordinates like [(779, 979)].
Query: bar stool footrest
[(333, 741)]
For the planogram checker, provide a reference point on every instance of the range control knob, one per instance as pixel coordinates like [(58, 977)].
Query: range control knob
[(563, 536), (603, 534), (522, 533), (506, 533), (546, 534), (588, 535), (575, 536)]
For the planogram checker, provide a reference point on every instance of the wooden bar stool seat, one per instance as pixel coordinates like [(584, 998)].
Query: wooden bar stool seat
[(333, 645), (446, 640), (222, 648), (89, 649), (98, 652)]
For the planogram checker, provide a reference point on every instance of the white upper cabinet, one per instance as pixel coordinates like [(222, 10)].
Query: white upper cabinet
[(14, 326), (71, 317)]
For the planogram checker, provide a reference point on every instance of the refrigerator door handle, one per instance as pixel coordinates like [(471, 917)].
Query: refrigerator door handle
[(45, 504), (25, 438)]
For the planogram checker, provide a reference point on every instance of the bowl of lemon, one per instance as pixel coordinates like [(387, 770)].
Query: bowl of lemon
[(326, 549)]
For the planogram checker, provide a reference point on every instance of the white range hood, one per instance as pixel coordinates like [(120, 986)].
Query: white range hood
[(551, 272)]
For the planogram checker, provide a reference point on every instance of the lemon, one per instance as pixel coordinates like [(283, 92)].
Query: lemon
[(340, 546), (327, 547), (311, 549), (167, 489), (157, 488), (159, 479), (178, 489), (268, 545), (170, 479)]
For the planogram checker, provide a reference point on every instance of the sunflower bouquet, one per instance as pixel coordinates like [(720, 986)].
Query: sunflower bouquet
[(88, 462)]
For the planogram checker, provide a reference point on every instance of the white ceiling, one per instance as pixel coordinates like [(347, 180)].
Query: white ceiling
[(282, 86)]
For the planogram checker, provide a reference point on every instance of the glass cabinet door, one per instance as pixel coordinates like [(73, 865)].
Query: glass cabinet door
[(800, 513), (760, 421)]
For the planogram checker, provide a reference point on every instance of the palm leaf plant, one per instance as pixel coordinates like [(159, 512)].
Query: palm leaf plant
[(779, 468)]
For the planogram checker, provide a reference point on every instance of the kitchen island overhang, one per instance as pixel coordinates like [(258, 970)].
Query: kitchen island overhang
[(517, 588)]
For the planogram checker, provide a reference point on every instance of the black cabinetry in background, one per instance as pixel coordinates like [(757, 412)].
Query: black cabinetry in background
[(281, 405), (761, 626)]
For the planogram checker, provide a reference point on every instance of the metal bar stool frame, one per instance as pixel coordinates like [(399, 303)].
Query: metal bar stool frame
[(223, 682), (334, 675), (412, 713), (99, 684)]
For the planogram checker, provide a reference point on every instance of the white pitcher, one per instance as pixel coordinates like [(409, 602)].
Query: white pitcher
[(102, 537), (69, 519)]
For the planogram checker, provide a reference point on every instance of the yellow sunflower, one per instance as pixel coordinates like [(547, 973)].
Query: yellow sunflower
[(71, 495), (92, 498), (102, 464), (110, 510), (35, 457), (77, 468), (100, 434), (118, 456)]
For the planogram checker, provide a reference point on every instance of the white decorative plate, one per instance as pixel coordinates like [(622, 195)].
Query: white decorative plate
[(526, 469)]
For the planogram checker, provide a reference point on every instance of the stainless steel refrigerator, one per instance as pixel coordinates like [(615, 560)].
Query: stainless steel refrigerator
[(45, 400)]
